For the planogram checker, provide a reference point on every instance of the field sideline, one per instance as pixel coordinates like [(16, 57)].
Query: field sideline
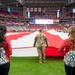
[(31, 66)]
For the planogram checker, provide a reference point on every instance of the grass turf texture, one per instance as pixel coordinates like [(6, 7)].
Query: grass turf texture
[(31, 66)]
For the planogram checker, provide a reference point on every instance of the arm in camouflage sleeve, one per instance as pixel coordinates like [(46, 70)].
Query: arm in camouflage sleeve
[(35, 41), (46, 41)]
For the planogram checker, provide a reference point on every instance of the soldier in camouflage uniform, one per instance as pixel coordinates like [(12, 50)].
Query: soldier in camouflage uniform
[(41, 42)]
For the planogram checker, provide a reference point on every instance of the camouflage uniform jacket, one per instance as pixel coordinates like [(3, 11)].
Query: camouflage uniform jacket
[(40, 40)]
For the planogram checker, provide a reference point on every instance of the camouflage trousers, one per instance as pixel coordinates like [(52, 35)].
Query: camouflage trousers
[(41, 52)]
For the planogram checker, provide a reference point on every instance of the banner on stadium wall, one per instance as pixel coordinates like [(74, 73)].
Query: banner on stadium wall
[(28, 13), (35, 9), (39, 9), (43, 21), (31, 9)]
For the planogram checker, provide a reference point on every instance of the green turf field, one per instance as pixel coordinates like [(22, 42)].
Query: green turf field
[(31, 66)]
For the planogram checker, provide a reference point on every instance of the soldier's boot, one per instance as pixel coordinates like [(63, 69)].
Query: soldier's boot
[(44, 60), (40, 61)]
